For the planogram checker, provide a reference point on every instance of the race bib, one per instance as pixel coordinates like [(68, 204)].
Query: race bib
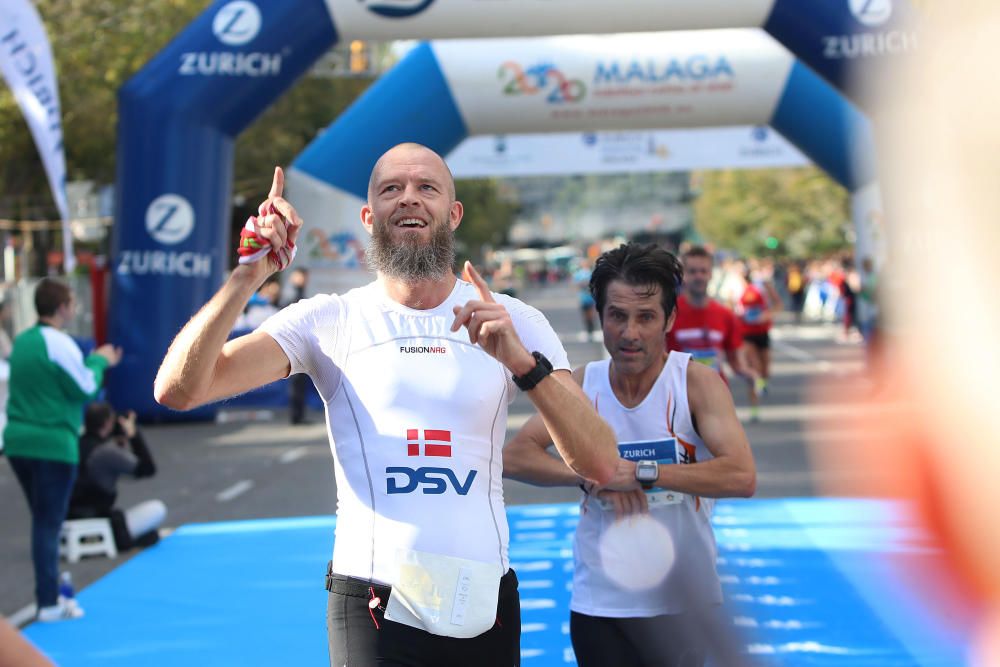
[(444, 595), (753, 314), (709, 358), (661, 451)]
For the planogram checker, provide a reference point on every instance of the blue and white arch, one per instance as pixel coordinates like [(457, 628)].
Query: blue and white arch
[(705, 78), (179, 116)]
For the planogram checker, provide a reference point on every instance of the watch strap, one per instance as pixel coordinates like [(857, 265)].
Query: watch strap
[(528, 381)]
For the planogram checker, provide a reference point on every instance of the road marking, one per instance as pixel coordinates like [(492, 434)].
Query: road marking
[(293, 454), (795, 352), (822, 365), (814, 411), (236, 489)]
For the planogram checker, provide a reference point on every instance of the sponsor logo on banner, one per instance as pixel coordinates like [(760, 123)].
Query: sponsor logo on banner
[(544, 78), (397, 9), (870, 13), (680, 74), (626, 148), (867, 44), (430, 480), (169, 221), (651, 87), (235, 24), (760, 146), (162, 263)]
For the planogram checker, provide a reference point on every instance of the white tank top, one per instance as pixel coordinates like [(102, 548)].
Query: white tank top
[(663, 563), (416, 416)]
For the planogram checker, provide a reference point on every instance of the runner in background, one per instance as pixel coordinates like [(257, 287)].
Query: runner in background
[(645, 586), (755, 313), (705, 328), (581, 278), (795, 282)]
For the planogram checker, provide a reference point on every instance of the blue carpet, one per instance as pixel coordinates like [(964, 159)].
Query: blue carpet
[(807, 582)]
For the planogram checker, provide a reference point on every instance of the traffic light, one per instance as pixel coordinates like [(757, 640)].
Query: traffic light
[(359, 57)]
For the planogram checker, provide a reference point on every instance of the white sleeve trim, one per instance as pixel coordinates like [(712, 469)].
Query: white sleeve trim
[(65, 353), (535, 331)]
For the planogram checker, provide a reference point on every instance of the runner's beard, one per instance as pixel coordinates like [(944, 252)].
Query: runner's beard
[(408, 259)]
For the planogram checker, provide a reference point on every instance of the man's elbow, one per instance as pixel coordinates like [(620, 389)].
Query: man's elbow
[(747, 484), (603, 475), (172, 398), (605, 465), (601, 470)]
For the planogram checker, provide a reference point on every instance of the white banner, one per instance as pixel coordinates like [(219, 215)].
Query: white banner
[(619, 152), (26, 63), (440, 19), (702, 78)]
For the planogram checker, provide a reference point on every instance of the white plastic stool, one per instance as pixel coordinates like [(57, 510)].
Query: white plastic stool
[(86, 537)]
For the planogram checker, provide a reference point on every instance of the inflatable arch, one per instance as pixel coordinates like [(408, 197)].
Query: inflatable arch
[(704, 78), (179, 115)]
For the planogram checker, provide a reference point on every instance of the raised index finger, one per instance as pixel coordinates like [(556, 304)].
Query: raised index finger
[(473, 277), (278, 184)]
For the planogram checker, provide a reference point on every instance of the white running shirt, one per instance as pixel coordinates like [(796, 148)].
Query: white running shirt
[(416, 416), (628, 573)]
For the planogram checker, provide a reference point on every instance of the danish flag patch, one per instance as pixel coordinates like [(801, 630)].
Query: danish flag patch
[(435, 442)]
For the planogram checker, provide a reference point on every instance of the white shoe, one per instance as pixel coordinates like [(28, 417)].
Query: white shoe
[(64, 610)]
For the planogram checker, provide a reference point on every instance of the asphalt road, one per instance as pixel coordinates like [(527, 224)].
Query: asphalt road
[(257, 467)]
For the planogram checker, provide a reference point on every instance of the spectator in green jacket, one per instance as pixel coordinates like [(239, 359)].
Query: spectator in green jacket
[(50, 381)]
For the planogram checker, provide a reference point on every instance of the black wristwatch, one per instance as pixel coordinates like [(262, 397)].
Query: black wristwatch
[(646, 473), (542, 368)]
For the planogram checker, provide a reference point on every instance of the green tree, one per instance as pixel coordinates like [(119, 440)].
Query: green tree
[(805, 211), (488, 216), (97, 45)]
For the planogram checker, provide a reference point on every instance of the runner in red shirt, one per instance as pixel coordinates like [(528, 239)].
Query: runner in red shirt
[(754, 312), (704, 328)]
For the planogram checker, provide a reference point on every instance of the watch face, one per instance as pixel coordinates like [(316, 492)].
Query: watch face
[(646, 471)]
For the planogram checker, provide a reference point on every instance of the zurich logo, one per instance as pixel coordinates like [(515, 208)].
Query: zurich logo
[(871, 12), (169, 219), (237, 22), (759, 133), (398, 9)]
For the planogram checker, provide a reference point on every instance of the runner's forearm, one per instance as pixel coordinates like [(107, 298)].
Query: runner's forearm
[(584, 440), (526, 458), (719, 478), (187, 370)]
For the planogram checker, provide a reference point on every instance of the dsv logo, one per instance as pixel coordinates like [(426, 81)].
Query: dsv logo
[(398, 9), (430, 480), (169, 219), (237, 22)]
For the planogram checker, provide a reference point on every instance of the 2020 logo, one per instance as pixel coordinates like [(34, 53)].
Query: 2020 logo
[(542, 78)]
